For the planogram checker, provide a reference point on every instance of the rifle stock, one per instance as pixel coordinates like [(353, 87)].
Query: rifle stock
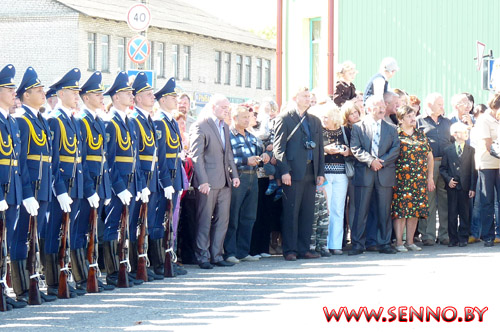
[(167, 241), (92, 284), (122, 249), (34, 291), (63, 290), (142, 272), (3, 263)]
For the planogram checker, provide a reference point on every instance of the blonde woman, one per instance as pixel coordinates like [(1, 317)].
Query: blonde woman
[(344, 88), (336, 140)]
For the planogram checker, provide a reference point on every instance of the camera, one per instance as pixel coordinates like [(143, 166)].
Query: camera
[(309, 145), (340, 147)]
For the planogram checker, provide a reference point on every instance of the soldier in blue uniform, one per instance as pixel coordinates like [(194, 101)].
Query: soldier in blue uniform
[(148, 168), (93, 134), (126, 182), (36, 150), (10, 184), (68, 176), (169, 162)]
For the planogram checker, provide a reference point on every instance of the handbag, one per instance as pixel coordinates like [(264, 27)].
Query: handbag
[(495, 149), (349, 165)]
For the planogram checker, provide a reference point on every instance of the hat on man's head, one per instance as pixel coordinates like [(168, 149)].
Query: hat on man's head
[(50, 93), (389, 64), (167, 90), (30, 80), (69, 81), (141, 83), (120, 84), (7, 77), (93, 84)]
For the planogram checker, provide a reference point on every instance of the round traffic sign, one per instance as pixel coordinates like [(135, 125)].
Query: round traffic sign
[(138, 49), (138, 17)]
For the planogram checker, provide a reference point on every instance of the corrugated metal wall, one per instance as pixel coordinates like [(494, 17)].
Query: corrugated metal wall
[(434, 42)]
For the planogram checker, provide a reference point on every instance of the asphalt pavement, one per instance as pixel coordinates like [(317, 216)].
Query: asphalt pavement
[(276, 295)]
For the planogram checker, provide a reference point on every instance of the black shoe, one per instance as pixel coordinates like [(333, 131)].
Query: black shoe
[(12, 304), (452, 244), (325, 253), (112, 279), (462, 244), (78, 292), (82, 285), (354, 252), (489, 243), (54, 291), (223, 263), (155, 276), (47, 298), (206, 266), (105, 287), (388, 250), (133, 280), (372, 248), (179, 270)]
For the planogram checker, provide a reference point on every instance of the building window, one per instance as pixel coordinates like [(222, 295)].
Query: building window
[(160, 60), (315, 34), (258, 84), (105, 53), (91, 40), (227, 64), (248, 72), (175, 61), (218, 68), (187, 63), (121, 53), (267, 74), (239, 70)]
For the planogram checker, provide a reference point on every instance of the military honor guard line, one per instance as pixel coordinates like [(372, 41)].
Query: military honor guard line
[(73, 180)]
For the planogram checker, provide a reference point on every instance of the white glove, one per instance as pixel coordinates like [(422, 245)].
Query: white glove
[(107, 201), (94, 201), (31, 205), (181, 191), (125, 197), (65, 202), (145, 195), (169, 191), (3, 205)]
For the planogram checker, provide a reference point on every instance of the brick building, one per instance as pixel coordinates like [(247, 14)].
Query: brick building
[(205, 54)]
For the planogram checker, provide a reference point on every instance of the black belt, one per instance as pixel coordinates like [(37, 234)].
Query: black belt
[(244, 171)]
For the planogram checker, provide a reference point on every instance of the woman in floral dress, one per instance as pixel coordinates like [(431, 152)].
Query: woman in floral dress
[(414, 178)]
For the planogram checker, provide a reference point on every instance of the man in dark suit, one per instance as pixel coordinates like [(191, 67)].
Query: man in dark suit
[(298, 149), (375, 144), (214, 172), (460, 177)]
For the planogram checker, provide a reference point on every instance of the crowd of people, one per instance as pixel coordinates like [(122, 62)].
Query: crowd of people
[(356, 171)]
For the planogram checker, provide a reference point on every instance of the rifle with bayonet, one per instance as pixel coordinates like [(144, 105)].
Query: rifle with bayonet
[(92, 248), (142, 228), (63, 257), (34, 291), (3, 246), (170, 258), (123, 234)]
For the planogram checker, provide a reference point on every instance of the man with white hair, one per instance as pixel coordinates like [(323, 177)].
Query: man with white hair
[(391, 106), (375, 145), (437, 129), (461, 106), (212, 160), (379, 83)]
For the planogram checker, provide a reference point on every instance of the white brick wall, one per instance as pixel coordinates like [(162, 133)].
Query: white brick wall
[(53, 39)]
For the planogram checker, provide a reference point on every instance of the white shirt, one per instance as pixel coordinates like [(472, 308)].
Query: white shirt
[(4, 112), (94, 114), (32, 110), (120, 113), (64, 109), (378, 85), (169, 116), (143, 112)]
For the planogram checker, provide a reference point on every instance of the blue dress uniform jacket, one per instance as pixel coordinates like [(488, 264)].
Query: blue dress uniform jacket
[(67, 147), (146, 132), (35, 140), (169, 148), (122, 142), (10, 149), (93, 133)]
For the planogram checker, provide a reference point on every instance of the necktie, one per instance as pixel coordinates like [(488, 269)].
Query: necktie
[(376, 138), (459, 150), (221, 131)]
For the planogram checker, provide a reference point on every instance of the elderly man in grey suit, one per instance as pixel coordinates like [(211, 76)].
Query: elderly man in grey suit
[(375, 145), (214, 173)]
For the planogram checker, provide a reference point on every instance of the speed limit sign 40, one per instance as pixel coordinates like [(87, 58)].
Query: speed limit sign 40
[(138, 17)]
